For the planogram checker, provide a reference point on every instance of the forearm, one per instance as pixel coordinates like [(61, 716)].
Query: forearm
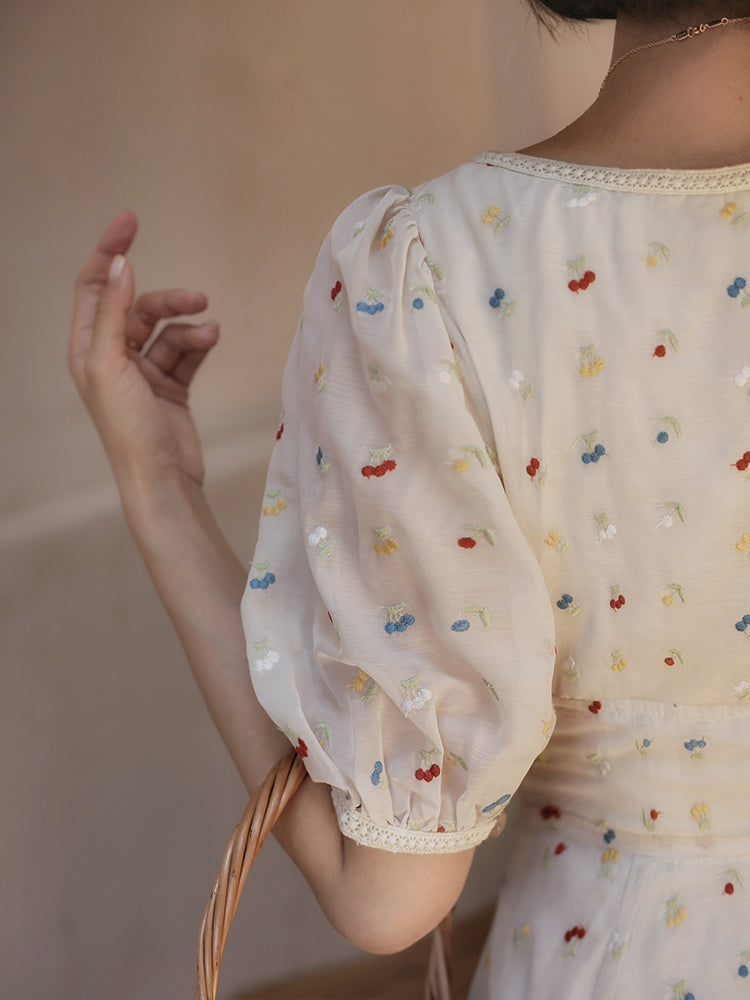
[(200, 582), (379, 900)]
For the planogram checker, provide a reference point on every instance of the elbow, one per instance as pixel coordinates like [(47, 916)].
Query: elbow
[(385, 934)]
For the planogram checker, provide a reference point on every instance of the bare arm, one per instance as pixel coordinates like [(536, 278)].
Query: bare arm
[(139, 404)]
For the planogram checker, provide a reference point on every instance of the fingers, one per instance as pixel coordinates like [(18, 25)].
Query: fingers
[(92, 279), (180, 348), (175, 356), (154, 306)]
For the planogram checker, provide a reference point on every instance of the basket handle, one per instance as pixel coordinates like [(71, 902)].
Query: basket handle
[(262, 811), (248, 837)]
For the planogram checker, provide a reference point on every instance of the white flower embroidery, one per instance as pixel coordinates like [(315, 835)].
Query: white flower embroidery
[(582, 198), (267, 661), (741, 690), (419, 700), (606, 534), (666, 521), (742, 377), (515, 380), (316, 536)]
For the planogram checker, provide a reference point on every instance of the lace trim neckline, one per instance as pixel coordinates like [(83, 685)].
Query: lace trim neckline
[(636, 179)]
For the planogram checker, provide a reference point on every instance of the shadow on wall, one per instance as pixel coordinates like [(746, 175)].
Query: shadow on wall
[(237, 132)]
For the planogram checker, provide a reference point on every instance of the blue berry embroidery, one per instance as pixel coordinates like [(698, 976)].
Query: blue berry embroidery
[(567, 604), (609, 836), (377, 772), (695, 748), (735, 288), (418, 303), (475, 611), (262, 582), (743, 624), (668, 424), (321, 462), (371, 303), (498, 301), (592, 451), (397, 620)]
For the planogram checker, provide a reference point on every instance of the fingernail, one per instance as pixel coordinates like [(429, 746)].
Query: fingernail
[(116, 268)]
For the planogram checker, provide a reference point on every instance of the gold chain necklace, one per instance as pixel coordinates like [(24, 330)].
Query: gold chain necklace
[(679, 36)]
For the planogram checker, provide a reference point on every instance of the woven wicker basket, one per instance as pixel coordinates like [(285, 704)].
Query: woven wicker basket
[(263, 810)]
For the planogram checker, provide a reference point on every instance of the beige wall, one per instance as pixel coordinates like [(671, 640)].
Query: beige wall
[(237, 131)]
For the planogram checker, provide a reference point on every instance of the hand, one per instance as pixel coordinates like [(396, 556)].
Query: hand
[(137, 399)]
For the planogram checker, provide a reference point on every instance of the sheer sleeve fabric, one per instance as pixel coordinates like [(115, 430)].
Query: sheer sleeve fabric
[(398, 627)]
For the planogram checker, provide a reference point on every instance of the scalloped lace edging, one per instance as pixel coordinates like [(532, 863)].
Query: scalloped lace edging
[(399, 839), (660, 181)]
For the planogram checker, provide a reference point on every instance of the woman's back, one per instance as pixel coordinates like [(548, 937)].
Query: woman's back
[(603, 340)]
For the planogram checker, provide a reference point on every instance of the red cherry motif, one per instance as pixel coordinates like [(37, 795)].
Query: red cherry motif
[(579, 932), (595, 707), (589, 276), (335, 290), (729, 889), (441, 829), (302, 748), (368, 471), (574, 285), (550, 812), (435, 770), (467, 543), (654, 814), (560, 848), (533, 467), (659, 351), (669, 660), (419, 774), (279, 432), (743, 462), (428, 776)]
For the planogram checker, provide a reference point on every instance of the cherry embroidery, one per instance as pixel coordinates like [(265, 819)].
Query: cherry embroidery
[(744, 462), (336, 290), (301, 748), (575, 932), (533, 467), (560, 848), (368, 471), (582, 278), (550, 812), (595, 707), (280, 431), (467, 543)]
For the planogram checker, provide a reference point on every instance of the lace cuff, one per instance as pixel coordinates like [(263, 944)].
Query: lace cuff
[(402, 840)]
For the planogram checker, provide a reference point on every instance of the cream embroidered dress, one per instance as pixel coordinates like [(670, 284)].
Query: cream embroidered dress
[(506, 547)]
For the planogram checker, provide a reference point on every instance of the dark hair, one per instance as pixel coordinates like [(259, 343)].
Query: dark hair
[(642, 10)]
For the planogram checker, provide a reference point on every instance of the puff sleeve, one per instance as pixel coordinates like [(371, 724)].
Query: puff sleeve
[(398, 627)]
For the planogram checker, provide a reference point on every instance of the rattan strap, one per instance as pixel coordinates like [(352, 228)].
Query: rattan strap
[(263, 810)]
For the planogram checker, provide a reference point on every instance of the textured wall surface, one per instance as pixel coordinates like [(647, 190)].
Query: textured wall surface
[(237, 131)]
